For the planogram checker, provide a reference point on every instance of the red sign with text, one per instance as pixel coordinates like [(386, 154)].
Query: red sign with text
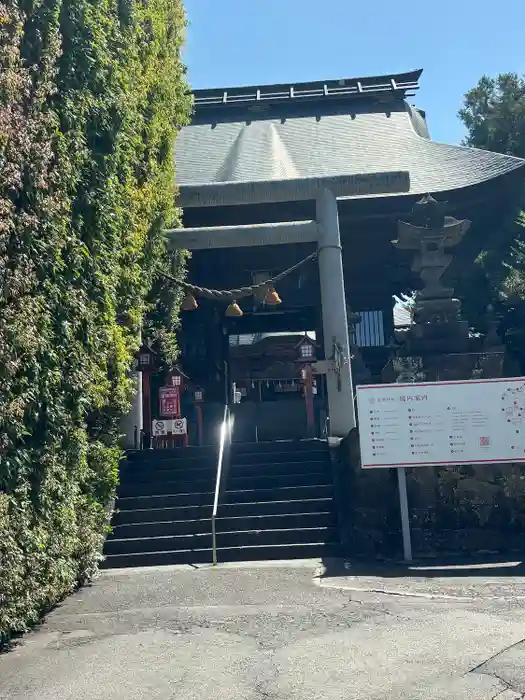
[(169, 399)]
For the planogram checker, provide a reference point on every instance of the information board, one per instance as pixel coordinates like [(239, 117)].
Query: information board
[(442, 423)]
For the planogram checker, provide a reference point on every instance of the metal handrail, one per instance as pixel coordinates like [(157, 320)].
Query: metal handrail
[(222, 467)]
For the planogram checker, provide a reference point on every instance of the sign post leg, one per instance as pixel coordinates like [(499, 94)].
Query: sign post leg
[(403, 506)]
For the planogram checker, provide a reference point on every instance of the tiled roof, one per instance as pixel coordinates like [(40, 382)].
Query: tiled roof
[(337, 128), (334, 144)]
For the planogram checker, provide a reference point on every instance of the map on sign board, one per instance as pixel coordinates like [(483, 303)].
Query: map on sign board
[(442, 423)]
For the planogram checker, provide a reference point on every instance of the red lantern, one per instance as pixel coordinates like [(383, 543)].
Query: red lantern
[(146, 359), (176, 379), (146, 363), (306, 350)]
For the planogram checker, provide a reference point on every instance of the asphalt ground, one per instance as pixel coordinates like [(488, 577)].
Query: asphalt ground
[(280, 631)]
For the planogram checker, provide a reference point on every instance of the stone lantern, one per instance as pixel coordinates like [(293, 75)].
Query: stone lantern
[(437, 346), (430, 235)]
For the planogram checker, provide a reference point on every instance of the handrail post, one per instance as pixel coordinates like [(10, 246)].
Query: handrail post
[(214, 540), (223, 458)]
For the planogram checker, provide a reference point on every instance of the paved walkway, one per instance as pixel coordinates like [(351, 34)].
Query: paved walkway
[(279, 632)]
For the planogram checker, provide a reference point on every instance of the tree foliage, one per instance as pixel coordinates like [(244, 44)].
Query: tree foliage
[(91, 95), (494, 115)]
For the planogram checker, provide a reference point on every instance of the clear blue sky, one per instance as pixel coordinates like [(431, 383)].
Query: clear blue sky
[(242, 42)]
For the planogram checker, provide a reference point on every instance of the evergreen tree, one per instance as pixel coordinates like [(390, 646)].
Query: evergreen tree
[(494, 115)]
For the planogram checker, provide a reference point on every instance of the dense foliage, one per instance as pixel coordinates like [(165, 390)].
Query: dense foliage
[(494, 115), (91, 95)]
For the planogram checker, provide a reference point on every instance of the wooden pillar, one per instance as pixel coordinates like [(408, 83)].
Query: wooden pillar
[(146, 408), (308, 383)]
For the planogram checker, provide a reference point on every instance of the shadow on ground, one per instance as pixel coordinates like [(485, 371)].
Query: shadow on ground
[(440, 567)]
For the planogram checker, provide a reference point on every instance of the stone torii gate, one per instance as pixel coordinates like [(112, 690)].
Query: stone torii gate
[(324, 231)]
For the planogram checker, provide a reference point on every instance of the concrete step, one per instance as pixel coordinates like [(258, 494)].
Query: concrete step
[(208, 453), (172, 472), (239, 524), (158, 487), (291, 446), (226, 510), (292, 493), (224, 540), (168, 500), (245, 458), (166, 469), (278, 503), (235, 483), (148, 515), (264, 481), (125, 503), (309, 550), (279, 468)]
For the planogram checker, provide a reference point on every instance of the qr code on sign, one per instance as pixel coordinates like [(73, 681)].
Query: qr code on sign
[(484, 441)]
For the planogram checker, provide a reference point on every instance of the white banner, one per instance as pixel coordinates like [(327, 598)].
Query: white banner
[(160, 427), (179, 426), (480, 421), (175, 426)]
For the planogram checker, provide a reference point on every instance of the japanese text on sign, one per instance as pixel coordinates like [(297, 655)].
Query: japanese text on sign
[(442, 423)]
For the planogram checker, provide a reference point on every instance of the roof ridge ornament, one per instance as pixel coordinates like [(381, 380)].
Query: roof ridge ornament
[(398, 84)]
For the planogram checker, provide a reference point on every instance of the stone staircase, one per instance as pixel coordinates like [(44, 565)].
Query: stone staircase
[(278, 503)]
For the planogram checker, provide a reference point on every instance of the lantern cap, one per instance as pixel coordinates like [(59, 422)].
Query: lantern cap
[(145, 348), (176, 370)]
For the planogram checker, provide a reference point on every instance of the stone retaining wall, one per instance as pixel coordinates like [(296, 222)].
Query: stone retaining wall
[(464, 510)]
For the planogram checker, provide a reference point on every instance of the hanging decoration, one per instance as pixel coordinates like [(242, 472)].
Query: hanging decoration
[(234, 310), (272, 298), (264, 291), (189, 303)]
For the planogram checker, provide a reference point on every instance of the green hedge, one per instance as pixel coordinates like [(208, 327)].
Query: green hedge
[(91, 95)]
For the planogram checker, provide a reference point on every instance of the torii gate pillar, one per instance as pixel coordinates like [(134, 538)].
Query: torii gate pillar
[(335, 324)]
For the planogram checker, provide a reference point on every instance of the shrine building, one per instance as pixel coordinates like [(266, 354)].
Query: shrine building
[(270, 174), (308, 209)]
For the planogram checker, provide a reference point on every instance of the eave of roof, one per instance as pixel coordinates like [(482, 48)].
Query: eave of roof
[(372, 148)]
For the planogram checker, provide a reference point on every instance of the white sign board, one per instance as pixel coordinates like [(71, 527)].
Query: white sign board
[(175, 426), (179, 426), (442, 423), (160, 427)]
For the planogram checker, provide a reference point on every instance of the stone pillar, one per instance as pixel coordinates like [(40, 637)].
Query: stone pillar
[(134, 418), (335, 323)]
